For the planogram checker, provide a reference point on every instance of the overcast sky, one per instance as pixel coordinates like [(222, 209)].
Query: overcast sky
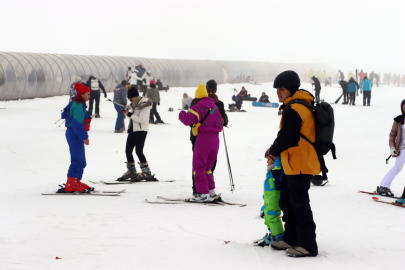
[(345, 34)]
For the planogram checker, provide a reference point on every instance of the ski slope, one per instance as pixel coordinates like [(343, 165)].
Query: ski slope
[(124, 232)]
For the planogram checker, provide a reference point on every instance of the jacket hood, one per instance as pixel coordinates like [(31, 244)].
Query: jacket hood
[(92, 78), (351, 80), (301, 94)]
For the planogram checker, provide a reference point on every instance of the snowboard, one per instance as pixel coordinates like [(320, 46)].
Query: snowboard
[(249, 98), (265, 104)]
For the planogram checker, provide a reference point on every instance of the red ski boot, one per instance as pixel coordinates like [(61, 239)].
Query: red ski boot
[(85, 186), (73, 185)]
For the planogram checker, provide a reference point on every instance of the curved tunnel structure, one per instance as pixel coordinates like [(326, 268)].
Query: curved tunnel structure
[(31, 75)]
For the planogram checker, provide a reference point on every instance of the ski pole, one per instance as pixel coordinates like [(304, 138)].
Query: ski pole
[(62, 122), (123, 106), (386, 161), (58, 121), (229, 164)]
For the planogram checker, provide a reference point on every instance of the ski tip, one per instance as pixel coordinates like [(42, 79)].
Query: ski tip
[(227, 242), (375, 198)]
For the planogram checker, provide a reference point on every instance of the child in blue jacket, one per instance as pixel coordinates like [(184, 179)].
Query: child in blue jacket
[(271, 208)]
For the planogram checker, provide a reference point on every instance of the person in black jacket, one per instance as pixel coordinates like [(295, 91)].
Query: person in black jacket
[(94, 85), (264, 98), (341, 75), (317, 88), (211, 89), (344, 86)]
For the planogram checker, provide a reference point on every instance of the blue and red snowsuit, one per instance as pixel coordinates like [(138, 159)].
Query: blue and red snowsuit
[(75, 115), (207, 142)]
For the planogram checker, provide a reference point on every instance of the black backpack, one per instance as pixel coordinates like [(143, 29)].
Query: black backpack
[(325, 125)]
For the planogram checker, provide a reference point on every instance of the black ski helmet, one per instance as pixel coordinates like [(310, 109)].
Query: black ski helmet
[(317, 180), (287, 79), (402, 105)]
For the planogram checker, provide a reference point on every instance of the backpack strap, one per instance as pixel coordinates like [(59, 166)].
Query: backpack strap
[(205, 116), (299, 101)]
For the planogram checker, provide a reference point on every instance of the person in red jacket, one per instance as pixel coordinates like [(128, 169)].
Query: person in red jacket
[(243, 92)]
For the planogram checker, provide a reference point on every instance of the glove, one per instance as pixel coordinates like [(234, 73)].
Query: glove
[(87, 124), (105, 95), (158, 103), (393, 152)]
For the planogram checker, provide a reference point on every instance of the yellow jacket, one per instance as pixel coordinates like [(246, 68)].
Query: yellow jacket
[(297, 155)]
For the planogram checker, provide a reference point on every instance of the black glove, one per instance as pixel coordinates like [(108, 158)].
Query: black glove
[(105, 95), (158, 103)]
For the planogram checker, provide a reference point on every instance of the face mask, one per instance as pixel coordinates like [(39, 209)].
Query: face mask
[(270, 167)]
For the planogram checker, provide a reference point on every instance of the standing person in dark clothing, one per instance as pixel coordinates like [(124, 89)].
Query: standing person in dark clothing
[(317, 88), (95, 85), (342, 76), (300, 162), (154, 95), (141, 71), (211, 89), (365, 87), (352, 88), (344, 86), (120, 97), (377, 79)]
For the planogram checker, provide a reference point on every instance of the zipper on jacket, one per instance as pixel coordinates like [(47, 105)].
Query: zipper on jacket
[(140, 126)]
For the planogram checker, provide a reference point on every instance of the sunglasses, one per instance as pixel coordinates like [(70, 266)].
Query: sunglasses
[(210, 91)]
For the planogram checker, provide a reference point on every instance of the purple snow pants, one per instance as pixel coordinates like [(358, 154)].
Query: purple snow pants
[(205, 153)]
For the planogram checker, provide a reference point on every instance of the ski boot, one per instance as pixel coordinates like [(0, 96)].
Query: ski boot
[(73, 185), (264, 242), (85, 186), (130, 174), (198, 197), (146, 173), (278, 243), (384, 191), (215, 197), (400, 201)]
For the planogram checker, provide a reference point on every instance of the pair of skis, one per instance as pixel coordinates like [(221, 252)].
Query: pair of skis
[(93, 193), (378, 200), (164, 200), (121, 182)]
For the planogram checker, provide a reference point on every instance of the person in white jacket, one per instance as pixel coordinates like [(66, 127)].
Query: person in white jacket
[(137, 130), (186, 101), (146, 78), (133, 78)]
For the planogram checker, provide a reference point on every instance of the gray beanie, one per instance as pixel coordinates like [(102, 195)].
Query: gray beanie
[(77, 79)]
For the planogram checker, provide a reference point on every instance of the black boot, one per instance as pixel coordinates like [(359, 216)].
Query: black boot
[(130, 174)]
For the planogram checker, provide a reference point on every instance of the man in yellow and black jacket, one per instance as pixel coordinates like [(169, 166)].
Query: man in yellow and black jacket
[(300, 162)]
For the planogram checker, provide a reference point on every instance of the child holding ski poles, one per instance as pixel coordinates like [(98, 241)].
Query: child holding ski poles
[(396, 143), (271, 208)]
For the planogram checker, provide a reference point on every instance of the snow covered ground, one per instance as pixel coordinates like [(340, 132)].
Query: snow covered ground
[(124, 232)]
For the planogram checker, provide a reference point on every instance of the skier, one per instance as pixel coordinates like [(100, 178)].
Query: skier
[(361, 75), (317, 88), (133, 78), (271, 209), (120, 97), (300, 162), (186, 102), (377, 79), (207, 123), (264, 98), (77, 124), (146, 78), (344, 86), (396, 142), (352, 88), (365, 87), (341, 75), (154, 95), (138, 128), (95, 86), (72, 91)]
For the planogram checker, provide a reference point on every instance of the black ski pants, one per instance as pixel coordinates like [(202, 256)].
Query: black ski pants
[(352, 97), (140, 85), (145, 89), (154, 112), (345, 96), (212, 169), (366, 98), (317, 93), (91, 101), (294, 202), (136, 140)]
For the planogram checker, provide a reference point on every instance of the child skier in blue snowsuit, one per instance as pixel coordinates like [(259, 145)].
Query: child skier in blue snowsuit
[(271, 209)]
